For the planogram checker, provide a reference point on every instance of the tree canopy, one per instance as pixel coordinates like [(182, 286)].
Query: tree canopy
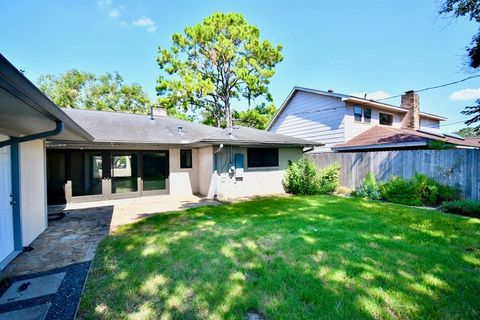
[(467, 132), (83, 90), (470, 9), (214, 63)]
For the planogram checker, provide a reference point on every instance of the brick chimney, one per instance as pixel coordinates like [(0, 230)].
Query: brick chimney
[(411, 102)]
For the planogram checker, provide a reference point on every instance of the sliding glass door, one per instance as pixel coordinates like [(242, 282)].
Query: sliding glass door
[(87, 175), (155, 172)]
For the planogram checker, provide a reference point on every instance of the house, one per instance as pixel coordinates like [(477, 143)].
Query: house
[(134, 155), (50, 155), (347, 123), (27, 118)]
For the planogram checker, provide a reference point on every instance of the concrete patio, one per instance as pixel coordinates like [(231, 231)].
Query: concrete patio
[(75, 237)]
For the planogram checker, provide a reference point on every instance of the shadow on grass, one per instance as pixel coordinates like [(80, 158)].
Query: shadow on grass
[(289, 258)]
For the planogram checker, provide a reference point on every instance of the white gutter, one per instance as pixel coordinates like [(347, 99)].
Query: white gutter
[(382, 146)]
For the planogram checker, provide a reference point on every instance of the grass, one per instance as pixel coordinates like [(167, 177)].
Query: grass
[(289, 258)]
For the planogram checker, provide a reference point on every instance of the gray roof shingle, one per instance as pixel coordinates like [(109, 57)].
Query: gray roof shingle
[(127, 128)]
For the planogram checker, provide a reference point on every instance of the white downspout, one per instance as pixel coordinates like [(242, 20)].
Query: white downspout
[(215, 177)]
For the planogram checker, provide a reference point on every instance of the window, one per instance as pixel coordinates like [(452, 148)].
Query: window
[(262, 157), (357, 112), (367, 115), (185, 158), (386, 119)]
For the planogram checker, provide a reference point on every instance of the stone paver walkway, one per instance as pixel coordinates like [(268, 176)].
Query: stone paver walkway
[(75, 237)]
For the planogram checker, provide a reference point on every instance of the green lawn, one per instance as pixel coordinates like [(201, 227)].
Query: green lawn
[(289, 258)]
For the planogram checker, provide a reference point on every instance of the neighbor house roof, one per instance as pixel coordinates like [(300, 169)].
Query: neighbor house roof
[(116, 128), (351, 99), (25, 110), (382, 137)]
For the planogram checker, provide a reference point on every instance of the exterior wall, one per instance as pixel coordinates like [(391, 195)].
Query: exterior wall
[(255, 181), (354, 128), (303, 118), (426, 123), (183, 181), (33, 189), (205, 171)]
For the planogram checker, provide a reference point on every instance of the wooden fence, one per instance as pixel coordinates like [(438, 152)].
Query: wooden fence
[(453, 167)]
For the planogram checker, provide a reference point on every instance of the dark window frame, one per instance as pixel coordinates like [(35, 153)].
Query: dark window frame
[(186, 163), (388, 117), (356, 114), (262, 157), (365, 118)]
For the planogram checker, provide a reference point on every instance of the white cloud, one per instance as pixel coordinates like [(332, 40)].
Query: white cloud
[(146, 23), (376, 95), (466, 94), (104, 3), (115, 12)]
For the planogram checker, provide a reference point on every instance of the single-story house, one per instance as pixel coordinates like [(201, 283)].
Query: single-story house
[(50, 155), (27, 118), (134, 155)]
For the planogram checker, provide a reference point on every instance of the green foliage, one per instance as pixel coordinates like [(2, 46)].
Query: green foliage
[(215, 62), (471, 9), (303, 177), (418, 191), (82, 90), (470, 208), (467, 132), (258, 117), (329, 179), (399, 190), (439, 145), (369, 189)]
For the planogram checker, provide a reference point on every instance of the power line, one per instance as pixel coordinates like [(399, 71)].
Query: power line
[(434, 87), (341, 104)]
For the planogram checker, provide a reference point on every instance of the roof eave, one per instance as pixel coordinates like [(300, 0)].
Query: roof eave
[(382, 146)]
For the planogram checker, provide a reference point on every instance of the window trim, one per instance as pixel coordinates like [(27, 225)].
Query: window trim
[(190, 152), (263, 166), (354, 114), (380, 116)]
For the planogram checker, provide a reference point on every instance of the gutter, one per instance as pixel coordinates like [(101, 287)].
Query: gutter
[(381, 146), (58, 128)]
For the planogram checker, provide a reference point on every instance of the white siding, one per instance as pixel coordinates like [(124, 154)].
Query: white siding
[(33, 189), (255, 181), (354, 128), (311, 116), (183, 181), (426, 123)]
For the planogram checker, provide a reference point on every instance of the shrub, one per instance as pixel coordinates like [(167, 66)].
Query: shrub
[(302, 177), (469, 208), (418, 191), (368, 189), (329, 179), (399, 190)]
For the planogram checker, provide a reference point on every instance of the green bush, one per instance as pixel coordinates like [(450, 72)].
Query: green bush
[(418, 191), (368, 189), (302, 177), (469, 208), (329, 179), (399, 190)]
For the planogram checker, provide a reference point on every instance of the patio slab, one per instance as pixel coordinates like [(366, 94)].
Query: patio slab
[(75, 237), (31, 313), (32, 288)]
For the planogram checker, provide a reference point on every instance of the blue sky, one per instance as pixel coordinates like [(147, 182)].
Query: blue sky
[(369, 46)]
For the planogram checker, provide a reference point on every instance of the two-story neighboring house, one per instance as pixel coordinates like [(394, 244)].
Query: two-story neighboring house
[(348, 123)]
